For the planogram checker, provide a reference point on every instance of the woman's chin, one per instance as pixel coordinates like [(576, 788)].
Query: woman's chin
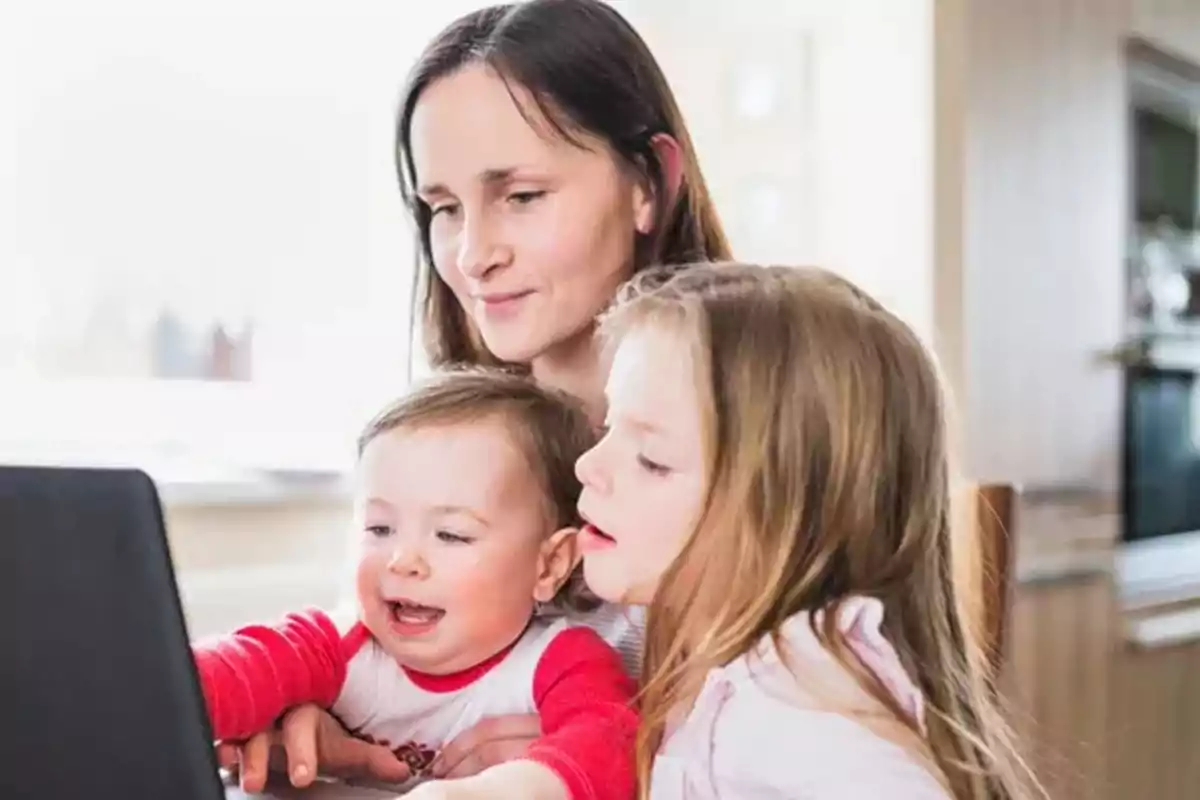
[(520, 343), (513, 342), (513, 350)]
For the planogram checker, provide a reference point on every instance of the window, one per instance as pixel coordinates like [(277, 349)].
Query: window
[(209, 266)]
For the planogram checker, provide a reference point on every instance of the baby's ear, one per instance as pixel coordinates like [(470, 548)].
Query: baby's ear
[(559, 556)]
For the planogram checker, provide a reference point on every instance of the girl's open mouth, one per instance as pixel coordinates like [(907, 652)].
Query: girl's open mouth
[(592, 538)]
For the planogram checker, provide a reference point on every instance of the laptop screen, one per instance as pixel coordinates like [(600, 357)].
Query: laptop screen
[(97, 685)]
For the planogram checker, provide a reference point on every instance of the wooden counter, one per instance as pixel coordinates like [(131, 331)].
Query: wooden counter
[(1104, 670)]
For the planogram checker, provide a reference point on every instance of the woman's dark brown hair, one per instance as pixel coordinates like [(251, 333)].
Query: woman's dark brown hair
[(589, 73)]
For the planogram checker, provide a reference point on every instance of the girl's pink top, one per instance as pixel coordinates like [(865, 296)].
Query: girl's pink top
[(758, 730)]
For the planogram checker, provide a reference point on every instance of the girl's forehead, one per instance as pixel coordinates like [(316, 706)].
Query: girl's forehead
[(652, 384)]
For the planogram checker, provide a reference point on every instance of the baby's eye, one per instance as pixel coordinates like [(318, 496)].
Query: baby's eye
[(453, 538), (379, 530)]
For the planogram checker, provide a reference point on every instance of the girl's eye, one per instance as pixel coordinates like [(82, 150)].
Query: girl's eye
[(453, 538), (379, 530), (653, 467)]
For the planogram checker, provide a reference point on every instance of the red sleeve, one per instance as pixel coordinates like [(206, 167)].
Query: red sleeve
[(252, 676), (585, 700)]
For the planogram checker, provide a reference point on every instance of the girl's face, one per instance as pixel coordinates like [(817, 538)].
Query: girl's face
[(644, 483), (532, 233)]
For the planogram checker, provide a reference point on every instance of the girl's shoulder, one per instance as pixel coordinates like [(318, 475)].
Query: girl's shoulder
[(795, 665), (788, 715)]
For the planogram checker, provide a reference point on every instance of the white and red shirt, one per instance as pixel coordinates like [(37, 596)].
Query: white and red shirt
[(566, 674)]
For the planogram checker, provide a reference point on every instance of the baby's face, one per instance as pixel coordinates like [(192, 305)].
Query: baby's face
[(452, 524)]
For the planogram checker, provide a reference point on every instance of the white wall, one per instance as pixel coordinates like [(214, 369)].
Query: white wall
[(1171, 24), (983, 198), (873, 98), (838, 169), (976, 199), (1044, 199)]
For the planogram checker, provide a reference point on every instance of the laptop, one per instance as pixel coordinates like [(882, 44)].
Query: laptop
[(98, 691)]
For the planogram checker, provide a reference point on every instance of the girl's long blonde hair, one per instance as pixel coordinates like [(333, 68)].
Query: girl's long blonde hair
[(829, 477)]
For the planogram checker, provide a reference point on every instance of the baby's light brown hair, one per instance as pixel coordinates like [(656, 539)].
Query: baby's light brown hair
[(549, 427)]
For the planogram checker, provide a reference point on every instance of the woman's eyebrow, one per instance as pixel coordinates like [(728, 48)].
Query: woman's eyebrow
[(432, 189), (493, 176)]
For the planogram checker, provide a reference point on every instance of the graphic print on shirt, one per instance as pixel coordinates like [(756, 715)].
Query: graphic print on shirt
[(417, 756)]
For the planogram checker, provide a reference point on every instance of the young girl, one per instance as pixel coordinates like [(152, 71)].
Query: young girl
[(466, 507), (774, 486)]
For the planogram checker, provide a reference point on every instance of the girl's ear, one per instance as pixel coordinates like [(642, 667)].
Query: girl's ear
[(669, 155), (559, 556)]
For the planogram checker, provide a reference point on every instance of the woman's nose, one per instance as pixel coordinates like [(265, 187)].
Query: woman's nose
[(480, 250)]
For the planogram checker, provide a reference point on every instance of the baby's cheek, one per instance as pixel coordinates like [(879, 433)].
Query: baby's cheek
[(488, 588), (367, 573), (364, 570), (501, 589)]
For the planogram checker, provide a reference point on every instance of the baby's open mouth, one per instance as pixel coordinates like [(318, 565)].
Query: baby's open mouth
[(407, 613)]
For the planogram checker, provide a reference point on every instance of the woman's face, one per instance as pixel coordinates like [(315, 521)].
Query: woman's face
[(532, 233)]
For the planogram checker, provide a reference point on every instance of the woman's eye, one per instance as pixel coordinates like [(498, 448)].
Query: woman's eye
[(525, 198), (443, 208), (453, 538), (652, 467)]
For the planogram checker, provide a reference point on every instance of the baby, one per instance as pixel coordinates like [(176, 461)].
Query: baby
[(465, 506)]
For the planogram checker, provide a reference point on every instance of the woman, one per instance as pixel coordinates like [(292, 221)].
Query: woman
[(545, 160)]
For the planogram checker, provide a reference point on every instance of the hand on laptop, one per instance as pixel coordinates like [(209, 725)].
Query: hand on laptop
[(309, 741), (491, 741)]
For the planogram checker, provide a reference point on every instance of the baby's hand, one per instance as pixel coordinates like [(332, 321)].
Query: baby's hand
[(514, 780), (442, 790)]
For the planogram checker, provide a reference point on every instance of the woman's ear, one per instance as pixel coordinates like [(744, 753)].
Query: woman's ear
[(559, 557), (669, 155)]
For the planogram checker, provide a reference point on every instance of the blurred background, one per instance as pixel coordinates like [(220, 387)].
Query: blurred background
[(205, 266)]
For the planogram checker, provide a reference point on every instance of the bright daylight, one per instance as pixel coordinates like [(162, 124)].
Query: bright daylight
[(600, 399)]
